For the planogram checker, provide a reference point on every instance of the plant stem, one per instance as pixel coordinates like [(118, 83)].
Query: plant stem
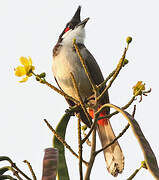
[(31, 169), (84, 66), (116, 112), (134, 174), (63, 141), (56, 89), (80, 98), (80, 149), (114, 140), (119, 67), (92, 158), (120, 134)]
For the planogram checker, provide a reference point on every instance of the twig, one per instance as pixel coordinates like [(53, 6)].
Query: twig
[(63, 141), (134, 174), (15, 173), (21, 172), (87, 141), (84, 66), (31, 169), (119, 67), (120, 135), (80, 149), (79, 126), (90, 131), (124, 107), (115, 139), (92, 158), (116, 112), (56, 89), (61, 92), (84, 109), (80, 98), (134, 111), (5, 158), (110, 75), (105, 81)]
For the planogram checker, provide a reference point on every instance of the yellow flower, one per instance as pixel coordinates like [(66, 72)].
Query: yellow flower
[(26, 69), (138, 88)]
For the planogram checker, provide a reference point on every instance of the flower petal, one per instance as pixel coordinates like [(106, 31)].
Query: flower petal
[(30, 61), (24, 79), (32, 68), (20, 71), (138, 83), (24, 61)]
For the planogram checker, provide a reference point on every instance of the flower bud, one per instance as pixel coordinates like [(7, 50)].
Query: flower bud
[(128, 39), (125, 62), (42, 75), (37, 78), (84, 127)]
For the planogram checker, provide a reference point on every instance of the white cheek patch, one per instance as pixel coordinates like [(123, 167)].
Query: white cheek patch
[(78, 34)]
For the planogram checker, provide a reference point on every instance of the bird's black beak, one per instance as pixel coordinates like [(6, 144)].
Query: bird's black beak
[(83, 23)]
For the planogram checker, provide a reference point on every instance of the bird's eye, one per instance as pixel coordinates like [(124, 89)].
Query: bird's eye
[(67, 29)]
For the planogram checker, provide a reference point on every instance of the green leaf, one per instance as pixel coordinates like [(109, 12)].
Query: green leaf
[(61, 131), (7, 177), (4, 169), (5, 158)]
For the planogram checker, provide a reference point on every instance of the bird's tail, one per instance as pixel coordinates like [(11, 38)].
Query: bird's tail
[(113, 154)]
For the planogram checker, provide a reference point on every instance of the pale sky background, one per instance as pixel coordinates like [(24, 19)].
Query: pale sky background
[(31, 28)]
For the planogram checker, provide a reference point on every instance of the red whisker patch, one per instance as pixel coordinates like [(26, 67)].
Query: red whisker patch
[(67, 29)]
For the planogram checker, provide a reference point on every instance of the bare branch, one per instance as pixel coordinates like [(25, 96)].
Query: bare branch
[(105, 81), (13, 165), (80, 149), (90, 131), (63, 141), (6, 168), (31, 169), (84, 66), (111, 143), (80, 98), (120, 135), (92, 157), (119, 67), (116, 112), (61, 92)]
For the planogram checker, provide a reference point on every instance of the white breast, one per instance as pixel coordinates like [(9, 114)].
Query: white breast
[(66, 62)]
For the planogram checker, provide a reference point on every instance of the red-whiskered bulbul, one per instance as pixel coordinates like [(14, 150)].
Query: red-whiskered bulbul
[(65, 62)]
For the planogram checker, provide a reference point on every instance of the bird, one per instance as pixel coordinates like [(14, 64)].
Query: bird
[(65, 62)]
